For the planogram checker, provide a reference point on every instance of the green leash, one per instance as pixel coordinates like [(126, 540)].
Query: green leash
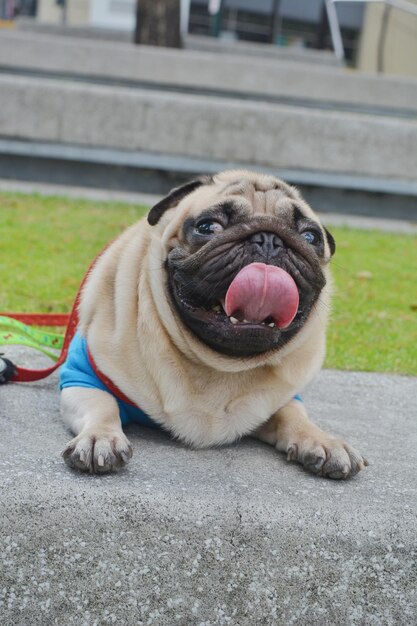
[(13, 332)]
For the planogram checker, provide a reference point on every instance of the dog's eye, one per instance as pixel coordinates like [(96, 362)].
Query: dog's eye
[(311, 237), (208, 227)]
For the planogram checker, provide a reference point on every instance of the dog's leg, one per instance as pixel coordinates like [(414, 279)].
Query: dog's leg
[(291, 431), (93, 416)]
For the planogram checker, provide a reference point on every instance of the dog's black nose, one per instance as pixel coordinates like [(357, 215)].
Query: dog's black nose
[(267, 243)]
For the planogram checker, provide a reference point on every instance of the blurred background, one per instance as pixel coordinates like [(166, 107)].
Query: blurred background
[(139, 96), (371, 32)]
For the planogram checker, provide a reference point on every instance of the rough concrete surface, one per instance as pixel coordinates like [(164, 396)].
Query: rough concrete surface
[(233, 535)]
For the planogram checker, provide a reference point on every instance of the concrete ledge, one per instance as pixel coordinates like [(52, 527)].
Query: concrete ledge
[(210, 128), (194, 166), (230, 536), (190, 42), (147, 172), (261, 50), (268, 79), (30, 25)]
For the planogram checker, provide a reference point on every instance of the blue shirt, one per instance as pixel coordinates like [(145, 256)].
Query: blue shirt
[(77, 371)]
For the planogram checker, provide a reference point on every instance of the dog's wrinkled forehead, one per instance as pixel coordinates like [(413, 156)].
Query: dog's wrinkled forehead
[(250, 193), (253, 194)]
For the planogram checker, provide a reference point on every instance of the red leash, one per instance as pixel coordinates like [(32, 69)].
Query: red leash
[(40, 319), (24, 375), (12, 373)]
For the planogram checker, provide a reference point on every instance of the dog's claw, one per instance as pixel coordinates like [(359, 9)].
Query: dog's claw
[(98, 453), (292, 452)]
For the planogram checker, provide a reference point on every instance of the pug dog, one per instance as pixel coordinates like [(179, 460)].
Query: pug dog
[(206, 319)]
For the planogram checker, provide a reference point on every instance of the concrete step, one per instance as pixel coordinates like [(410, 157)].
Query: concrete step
[(268, 80), (292, 54), (143, 119), (37, 109), (232, 536), (120, 171), (190, 42)]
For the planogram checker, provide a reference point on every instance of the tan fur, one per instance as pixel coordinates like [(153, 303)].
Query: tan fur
[(137, 339)]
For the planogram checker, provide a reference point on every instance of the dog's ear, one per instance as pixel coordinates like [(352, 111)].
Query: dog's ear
[(174, 197), (330, 241)]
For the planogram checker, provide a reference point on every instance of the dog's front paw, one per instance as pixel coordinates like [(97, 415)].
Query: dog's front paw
[(330, 457), (98, 452)]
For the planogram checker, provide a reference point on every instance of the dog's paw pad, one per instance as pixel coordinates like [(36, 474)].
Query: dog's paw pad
[(314, 459), (97, 453)]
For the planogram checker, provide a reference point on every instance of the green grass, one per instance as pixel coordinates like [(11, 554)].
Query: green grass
[(48, 243), (374, 319)]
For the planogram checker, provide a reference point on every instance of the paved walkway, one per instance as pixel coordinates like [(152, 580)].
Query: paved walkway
[(330, 219), (232, 536)]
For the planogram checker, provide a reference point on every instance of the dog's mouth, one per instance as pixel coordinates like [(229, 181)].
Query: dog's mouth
[(260, 311), (240, 301), (260, 296), (233, 335)]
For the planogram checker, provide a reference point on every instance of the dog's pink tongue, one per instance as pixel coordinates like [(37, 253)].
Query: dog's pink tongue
[(260, 291)]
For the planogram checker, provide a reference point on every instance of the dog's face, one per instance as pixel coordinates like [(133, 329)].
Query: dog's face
[(246, 260)]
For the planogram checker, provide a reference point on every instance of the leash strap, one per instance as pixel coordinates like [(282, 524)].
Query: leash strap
[(40, 319), (22, 374), (12, 322), (14, 332)]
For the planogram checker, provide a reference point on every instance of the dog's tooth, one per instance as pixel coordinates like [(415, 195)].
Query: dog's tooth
[(216, 308), (271, 325), (246, 321), (233, 320)]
